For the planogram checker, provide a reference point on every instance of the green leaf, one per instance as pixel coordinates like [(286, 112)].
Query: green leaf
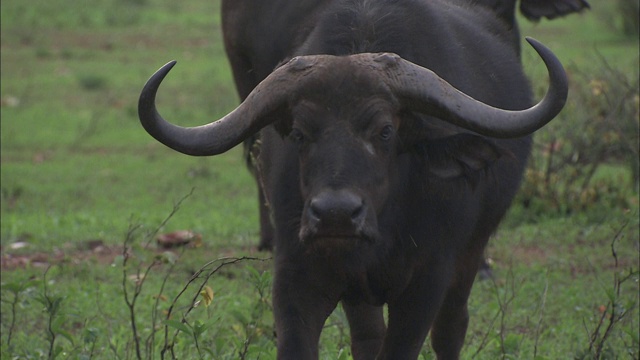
[(118, 261), (179, 325), (67, 335), (14, 287), (342, 355), (54, 305), (56, 324), (240, 317), (254, 274), (199, 328), (56, 351), (167, 257), (90, 335)]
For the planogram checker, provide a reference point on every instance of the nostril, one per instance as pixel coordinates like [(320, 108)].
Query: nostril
[(358, 212), (315, 210)]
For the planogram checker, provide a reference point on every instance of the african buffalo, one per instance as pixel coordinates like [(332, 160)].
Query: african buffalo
[(393, 138), (259, 36)]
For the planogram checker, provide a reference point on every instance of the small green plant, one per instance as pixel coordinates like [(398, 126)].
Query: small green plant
[(613, 316), (506, 345), (15, 290), (55, 318), (255, 326), (252, 326), (92, 82), (43, 52), (141, 271)]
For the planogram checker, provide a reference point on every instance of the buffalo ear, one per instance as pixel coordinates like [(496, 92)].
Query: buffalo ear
[(460, 155)]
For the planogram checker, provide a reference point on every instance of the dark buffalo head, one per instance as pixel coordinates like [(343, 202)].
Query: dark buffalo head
[(348, 117), (345, 129)]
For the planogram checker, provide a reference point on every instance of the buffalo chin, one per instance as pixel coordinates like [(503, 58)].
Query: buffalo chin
[(334, 246)]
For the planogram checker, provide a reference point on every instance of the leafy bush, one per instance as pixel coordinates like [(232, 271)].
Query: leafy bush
[(622, 18), (629, 11), (582, 160)]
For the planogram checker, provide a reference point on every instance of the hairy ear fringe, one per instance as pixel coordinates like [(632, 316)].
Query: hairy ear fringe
[(463, 155)]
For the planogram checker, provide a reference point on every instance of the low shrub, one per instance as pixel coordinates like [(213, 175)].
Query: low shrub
[(587, 158)]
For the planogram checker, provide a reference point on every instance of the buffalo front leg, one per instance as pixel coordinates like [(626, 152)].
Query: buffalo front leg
[(411, 315), (450, 327), (300, 308), (366, 323)]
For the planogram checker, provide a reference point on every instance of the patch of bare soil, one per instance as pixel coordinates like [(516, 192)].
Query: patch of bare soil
[(18, 256)]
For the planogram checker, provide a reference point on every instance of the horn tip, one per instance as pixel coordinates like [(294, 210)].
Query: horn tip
[(159, 75), (169, 65)]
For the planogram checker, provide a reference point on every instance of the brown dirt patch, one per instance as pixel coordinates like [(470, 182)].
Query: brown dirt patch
[(85, 251)]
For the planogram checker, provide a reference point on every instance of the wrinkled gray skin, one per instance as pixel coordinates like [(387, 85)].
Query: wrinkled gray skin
[(383, 187)]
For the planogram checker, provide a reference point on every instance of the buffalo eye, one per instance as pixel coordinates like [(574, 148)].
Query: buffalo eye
[(296, 136), (386, 133)]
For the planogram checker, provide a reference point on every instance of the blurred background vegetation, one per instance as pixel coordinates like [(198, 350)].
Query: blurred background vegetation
[(586, 161)]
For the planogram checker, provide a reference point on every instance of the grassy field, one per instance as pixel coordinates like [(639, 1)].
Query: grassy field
[(85, 191)]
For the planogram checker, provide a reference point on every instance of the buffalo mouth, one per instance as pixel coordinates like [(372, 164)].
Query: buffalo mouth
[(312, 236)]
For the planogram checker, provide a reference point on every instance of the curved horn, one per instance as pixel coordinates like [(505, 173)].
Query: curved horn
[(422, 90), (221, 135), (418, 88)]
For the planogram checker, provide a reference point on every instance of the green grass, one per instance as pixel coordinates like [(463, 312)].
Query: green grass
[(77, 168)]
